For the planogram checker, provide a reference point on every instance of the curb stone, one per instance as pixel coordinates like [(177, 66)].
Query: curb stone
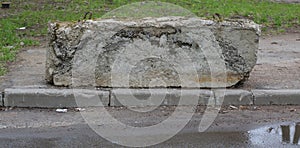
[(50, 98), (233, 97), (54, 98), (164, 97), (276, 97)]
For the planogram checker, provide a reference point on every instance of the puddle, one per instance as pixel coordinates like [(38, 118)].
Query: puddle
[(277, 136), (274, 136), (285, 134)]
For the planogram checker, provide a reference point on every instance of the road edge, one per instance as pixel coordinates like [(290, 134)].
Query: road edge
[(67, 98)]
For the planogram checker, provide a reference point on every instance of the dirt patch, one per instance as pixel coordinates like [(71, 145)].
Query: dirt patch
[(28, 70), (278, 65)]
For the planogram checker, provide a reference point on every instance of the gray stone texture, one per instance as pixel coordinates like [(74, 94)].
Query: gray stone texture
[(60, 98), (152, 52), (159, 97), (233, 97), (276, 97), (55, 98)]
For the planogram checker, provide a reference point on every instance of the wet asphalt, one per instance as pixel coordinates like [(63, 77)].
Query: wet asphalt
[(265, 126), (83, 136)]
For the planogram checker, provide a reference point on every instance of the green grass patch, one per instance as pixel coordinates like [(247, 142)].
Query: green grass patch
[(148, 9), (35, 15)]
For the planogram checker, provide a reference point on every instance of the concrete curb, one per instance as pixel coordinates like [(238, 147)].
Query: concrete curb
[(165, 97), (276, 97), (55, 98), (52, 98), (233, 97)]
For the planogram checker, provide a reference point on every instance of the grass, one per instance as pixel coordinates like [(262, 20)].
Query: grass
[(35, 15), (146, 9)]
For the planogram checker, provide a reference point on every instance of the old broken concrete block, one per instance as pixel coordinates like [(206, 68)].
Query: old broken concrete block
[(152, 52)]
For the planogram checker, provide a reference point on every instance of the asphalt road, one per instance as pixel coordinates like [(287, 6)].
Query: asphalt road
[(83, 136), (255, 126)]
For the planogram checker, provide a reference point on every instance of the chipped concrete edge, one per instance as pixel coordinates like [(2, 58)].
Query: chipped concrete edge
[(53, 98), (277, 97)]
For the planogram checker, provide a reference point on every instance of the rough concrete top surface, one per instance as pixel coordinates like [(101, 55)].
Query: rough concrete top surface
[(278, 66), (154, 52)]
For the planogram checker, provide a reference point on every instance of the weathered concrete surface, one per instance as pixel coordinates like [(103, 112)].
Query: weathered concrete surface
[(233, 97), (133, 98), (160, 52), (158, 97), (52, 98), (278, 63), (276, 97)]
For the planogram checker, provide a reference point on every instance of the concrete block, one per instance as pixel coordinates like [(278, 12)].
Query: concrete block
[(55, 98), (276, 97), (157, 97), (151, 52), (233, 97)]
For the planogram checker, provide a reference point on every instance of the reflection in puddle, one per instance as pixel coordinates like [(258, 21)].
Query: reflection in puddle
[(285, 130), (297, 134), (274, 136), (287, 134)]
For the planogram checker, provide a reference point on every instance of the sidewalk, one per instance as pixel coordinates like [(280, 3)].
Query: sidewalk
[(278, 65), (276, 77)]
